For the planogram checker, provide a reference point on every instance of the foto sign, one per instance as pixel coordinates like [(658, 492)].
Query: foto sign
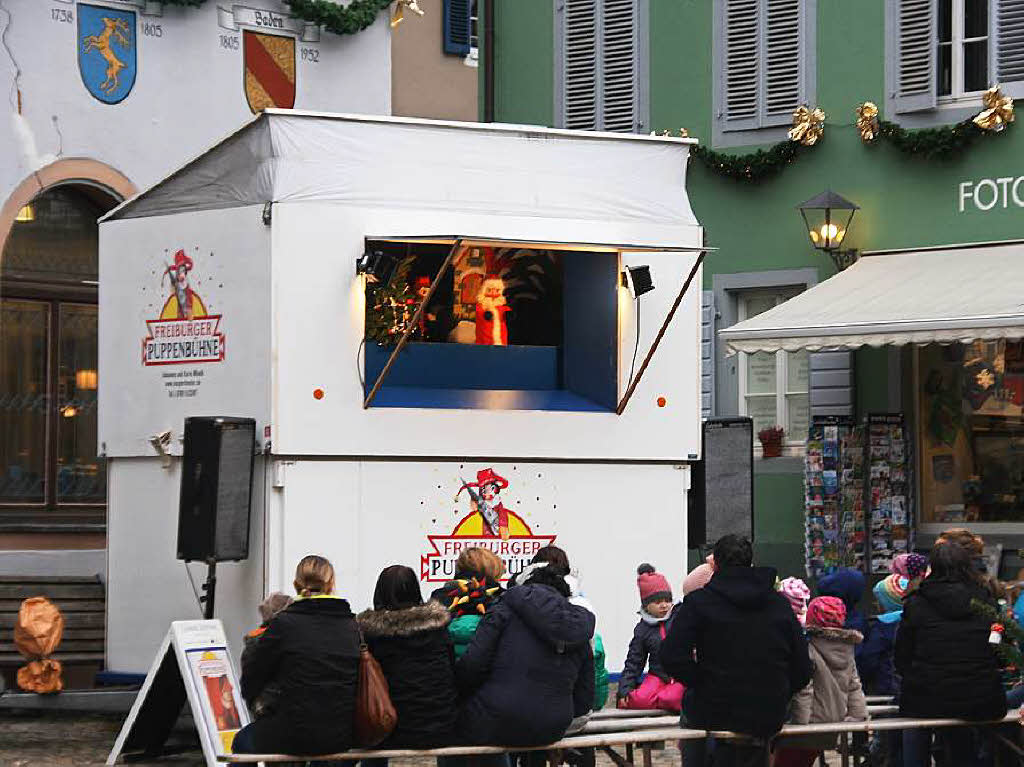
[(987, 193)]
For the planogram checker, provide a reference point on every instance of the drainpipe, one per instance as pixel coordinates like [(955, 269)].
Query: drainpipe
[(488, 61)]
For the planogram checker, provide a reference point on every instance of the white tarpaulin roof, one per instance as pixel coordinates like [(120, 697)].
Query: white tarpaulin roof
[(922, 297), (287, 156)]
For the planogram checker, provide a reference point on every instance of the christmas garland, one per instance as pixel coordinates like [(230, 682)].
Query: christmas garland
[(753, 167), (339, 19)]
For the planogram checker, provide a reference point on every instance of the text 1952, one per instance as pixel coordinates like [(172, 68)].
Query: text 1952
[(311, 54)]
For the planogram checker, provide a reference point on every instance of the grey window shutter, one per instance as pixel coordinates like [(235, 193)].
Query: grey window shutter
[(741, 82), (832, 383), (783, 55), (707, 354), (619, 66), (1006, 19), (579, 65), (914, 43)]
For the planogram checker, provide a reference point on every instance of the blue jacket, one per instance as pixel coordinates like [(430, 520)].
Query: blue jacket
[(876, 668), (848, 585)]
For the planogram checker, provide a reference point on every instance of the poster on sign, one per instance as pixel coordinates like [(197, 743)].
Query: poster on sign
[(193, 664)]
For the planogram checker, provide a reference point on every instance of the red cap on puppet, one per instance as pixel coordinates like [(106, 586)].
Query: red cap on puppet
[(652, 584)]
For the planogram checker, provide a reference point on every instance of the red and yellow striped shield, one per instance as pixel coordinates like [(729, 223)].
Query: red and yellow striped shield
[(269, 70)]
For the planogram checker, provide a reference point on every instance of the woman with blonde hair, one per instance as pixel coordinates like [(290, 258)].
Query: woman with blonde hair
[(310, 652)]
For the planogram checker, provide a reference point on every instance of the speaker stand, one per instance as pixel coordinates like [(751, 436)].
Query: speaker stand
[(209, 588)]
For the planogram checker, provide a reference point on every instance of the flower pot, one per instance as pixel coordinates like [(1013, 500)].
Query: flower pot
[(771, 448)]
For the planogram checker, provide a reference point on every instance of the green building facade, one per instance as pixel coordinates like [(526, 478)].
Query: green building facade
[(730, 72)]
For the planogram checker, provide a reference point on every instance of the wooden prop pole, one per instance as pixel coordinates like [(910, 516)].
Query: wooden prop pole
[(412, 323), (661, 334)]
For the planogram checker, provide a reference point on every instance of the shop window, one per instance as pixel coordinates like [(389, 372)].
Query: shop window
[(946, 52), (774, 386), (763, 52), (601, 65), (971, 422), (507, 328), (48, 357)]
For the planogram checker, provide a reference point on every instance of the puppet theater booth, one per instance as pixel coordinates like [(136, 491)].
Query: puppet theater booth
[(279, 276), (950, 450)]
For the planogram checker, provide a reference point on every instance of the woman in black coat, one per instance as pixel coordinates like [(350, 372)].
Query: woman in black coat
[(947, 665), (310, 652), (410, 641), (529, 669)]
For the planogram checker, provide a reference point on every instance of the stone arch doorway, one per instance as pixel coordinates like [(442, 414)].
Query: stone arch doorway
[(52, 483)]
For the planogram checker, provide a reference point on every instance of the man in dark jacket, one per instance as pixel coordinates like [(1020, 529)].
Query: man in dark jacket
[(740, 652), (529, 669)]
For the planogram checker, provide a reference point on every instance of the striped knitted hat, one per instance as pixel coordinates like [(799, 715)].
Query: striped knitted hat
[(826, 613), (890, 592)]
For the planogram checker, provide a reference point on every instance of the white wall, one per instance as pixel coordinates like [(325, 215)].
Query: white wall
[(188, 91), (147, 587), (318, 327), (230, 252), (366, 515)]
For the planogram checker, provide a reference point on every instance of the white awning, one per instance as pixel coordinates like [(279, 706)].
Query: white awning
[(920, 297)]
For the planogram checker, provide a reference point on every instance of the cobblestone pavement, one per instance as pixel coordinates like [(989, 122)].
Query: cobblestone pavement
[(57, 739)]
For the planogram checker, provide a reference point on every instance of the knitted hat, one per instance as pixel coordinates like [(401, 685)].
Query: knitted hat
[(796, 591), (890, 592), (697, 578), (917, 566), (652, 584), (899, 565), (826, 613), (273, 604)]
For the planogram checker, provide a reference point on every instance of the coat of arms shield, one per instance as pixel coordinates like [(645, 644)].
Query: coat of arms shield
[(269, 70), (106, 51)]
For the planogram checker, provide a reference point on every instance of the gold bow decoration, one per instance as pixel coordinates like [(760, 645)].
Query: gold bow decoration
[(998, 111), (867, 121), (808, 126), (399, 14)]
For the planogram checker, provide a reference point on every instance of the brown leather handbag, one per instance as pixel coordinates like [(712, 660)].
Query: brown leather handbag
[(375, 716)]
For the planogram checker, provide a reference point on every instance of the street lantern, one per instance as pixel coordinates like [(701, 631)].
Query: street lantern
[(827, 217)]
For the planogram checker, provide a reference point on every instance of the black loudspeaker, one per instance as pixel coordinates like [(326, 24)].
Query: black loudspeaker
[(721, 497), (216, 489)]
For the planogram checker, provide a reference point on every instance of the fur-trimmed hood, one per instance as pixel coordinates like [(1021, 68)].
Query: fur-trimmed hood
[(846, 636), (412, 620)]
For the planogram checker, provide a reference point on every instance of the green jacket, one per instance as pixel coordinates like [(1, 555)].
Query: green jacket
[(600, 675), (462, 630)]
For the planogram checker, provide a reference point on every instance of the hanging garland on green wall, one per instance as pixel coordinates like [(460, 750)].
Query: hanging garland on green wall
[(809, 125), (938, 143), (808, 128), (339, 19)]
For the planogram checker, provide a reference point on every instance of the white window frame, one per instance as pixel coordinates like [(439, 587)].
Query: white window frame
[(792, 447), (958, 95), (472, 59)]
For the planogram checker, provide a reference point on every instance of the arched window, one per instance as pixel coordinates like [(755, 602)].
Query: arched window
[(48, 359)]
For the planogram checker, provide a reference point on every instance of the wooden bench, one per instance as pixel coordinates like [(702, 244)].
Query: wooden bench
[(629, 735), (82, 600)]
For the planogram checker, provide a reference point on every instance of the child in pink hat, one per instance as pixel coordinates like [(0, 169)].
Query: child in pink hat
[(657, 690)]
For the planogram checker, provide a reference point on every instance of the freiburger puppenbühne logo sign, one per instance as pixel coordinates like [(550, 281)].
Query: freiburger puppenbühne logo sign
[(488, 525), (184, 333)]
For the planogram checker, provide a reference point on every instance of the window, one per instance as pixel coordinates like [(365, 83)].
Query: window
[(946, 52), (601, 60), (774, 386), (971, 422), (508, 328), (763, 62), (457, 27), (48, 356), (473, 57)]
